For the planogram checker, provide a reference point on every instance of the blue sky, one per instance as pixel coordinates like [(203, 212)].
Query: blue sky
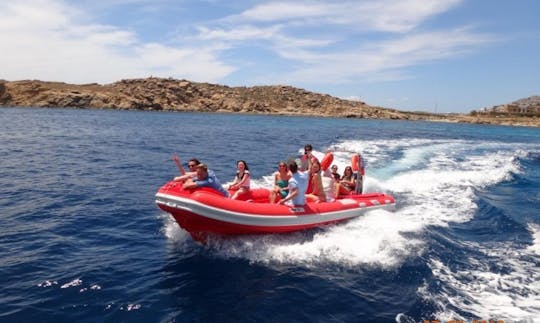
[(413, 55)]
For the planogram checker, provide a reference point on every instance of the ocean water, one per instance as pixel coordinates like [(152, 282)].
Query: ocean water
[(81, 239)]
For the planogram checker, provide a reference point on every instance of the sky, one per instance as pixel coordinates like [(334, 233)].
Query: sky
[(412, 55)]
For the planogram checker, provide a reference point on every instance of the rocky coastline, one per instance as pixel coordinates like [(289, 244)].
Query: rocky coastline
[(160, 94)]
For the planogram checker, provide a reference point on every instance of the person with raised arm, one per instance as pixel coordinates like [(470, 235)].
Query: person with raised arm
[(192, 164)]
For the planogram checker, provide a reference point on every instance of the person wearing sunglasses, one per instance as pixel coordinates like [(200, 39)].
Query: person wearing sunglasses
[(192, 165), (306, 162), (308, 158)]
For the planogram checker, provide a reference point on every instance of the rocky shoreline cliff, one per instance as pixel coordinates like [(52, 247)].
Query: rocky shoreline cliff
[(182, 95)]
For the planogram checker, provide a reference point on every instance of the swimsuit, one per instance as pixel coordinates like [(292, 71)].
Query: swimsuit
[(283, 183), (247, 184)]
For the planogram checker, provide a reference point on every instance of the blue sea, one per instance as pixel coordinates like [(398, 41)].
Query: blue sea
[(81, 239)]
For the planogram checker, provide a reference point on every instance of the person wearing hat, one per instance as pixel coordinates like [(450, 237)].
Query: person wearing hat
[(205, 178)]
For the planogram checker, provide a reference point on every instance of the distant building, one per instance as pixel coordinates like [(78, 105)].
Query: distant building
[(530, 105)]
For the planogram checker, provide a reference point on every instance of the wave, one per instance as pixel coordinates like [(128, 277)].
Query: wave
[(498, 283), (434, 181), (436, 184)]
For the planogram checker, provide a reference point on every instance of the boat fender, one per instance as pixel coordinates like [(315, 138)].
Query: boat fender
[(357, 164), (327, 160)]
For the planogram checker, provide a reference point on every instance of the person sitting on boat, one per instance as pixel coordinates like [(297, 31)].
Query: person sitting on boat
[(330, 178), (334, 185), (205, 178), (241, 182), (316, 192), (192, 164), (347, 183), (334, 173), (281, 182), (308, 158), (297, 186)]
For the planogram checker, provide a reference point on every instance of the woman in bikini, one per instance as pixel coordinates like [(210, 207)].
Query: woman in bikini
[(347, 183), (281, 182), (317, 191)]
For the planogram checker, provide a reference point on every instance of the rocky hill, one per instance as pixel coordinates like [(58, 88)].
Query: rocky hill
[(182, 95)]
